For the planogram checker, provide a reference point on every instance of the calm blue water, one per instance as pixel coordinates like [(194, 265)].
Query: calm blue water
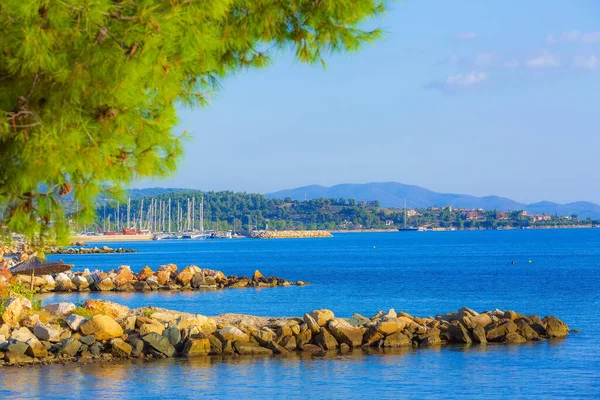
[(423, 273)]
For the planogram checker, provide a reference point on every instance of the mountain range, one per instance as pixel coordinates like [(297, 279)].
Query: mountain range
[(393, 195)]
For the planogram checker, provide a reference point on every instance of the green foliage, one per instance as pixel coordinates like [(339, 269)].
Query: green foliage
[(148, 311), (16, 288), (89, 88), (84, 312)]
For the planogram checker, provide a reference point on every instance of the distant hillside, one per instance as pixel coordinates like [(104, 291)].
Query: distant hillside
[(392, 194)]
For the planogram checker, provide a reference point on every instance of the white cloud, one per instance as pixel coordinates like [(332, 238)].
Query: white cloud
[(456, 82), (466, 35), (545, 60), (591, 37), (574, 36), (511, 64), (484, 60), (591, 62)]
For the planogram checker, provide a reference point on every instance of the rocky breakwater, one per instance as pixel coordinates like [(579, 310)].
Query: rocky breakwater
[(87, 250), (101, 330), (166, 277), (290, 234)]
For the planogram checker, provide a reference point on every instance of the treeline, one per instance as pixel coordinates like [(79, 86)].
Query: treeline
[(227, 210)]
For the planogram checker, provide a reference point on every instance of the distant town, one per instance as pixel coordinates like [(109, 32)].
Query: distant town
[(243, 213)]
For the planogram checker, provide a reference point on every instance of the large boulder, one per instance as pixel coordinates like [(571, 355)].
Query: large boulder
[(389, 326), (555, 327), (457, 333), (145, 273), (105, 285), (102, 327), (326, 340), (513, 337), (62, 308), (322, 316), (159, 343), (250, 349), (119, 348), (311, 323), (481, 320), (185, 276), (107, 307), (64, 283), (496, 333), (74, 321), (81, 283), (194, 347), (13, 308), (478, 334), (70, 347), (397, 339), (257, 276), (203, 323), (124, 276), (46, 332), (231, 333), (343, 332), (155, 327), (525, 330), (22, 335), (263, 336), (36, 349), (163, 277)]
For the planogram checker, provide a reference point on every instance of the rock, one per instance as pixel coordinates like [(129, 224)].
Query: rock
[(312, 348), (204, 324), (87, 340), (263, 336), (459, 334), (391, 314), (163, 277), (22, 335), (137, 346), (481, 320), (173, 335), (195, 347), (326, 340), (511, 315), (513, 337), (166, 317), (44, 332), (63, 283), (322, 316), (30, 321), (396, 340), (276, 348), (119, 348), (152, 281), (372, 337), (250, 349), (496, 333), (62, 308), (49, 283), (105, 285), (289, 343), (216, 346), (186, 274), (358, 320), (141, 286), (525, 330), (36, 349), (257, 275), (345, 333), (555, 327), (145, 273), (74, 321), (231, 333), (312, 323), (12, 311), (433, 340), (154, 327), (96, 348), (478, 334), (107, 307), (12, 358), (102, 327), (16, 346), (70, 347), (303, 337), (159, 343), (81, 283), (390, 325)]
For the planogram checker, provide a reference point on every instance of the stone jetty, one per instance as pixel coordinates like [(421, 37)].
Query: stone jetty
[(87, 250), (166, 277), (290, 234), (102, 330)]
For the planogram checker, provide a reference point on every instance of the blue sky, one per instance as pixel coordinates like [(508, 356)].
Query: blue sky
[(476, 97)]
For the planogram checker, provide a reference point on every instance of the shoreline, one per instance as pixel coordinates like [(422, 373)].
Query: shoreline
[(105, 331)]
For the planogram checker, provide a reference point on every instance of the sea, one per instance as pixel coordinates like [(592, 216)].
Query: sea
[(541, 272)]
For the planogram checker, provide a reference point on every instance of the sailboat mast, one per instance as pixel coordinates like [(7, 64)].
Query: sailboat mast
[(169, 215), (405, 213), (128, 211), (202, 215)]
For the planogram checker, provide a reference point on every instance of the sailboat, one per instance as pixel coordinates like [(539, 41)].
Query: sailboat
[(406, 228)]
